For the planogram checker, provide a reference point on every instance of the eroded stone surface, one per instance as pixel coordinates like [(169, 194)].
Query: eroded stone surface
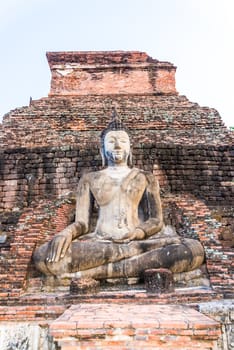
[(24, 336)]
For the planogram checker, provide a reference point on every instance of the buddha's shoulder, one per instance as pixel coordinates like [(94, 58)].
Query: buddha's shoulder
[(149, 176), (96, 176), (92, 176), (142, 172)]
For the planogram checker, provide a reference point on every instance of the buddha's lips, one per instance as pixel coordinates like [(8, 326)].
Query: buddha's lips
[(117, 154)]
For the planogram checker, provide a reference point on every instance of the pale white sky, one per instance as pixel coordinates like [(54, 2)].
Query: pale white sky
[(195, 35)]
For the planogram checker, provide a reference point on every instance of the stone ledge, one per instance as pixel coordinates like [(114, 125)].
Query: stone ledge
[(49, 306), (100, 57)]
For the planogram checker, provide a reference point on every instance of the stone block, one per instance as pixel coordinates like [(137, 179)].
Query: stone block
[(158, 280), (84, 285)]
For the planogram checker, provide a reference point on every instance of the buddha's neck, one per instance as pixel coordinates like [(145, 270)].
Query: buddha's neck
[(117, 172)]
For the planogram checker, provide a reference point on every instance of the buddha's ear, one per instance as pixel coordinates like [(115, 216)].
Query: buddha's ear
[(130, 158), (103, 157)]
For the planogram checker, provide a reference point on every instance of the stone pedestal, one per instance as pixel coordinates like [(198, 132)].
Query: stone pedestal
[(158, 280), (139, 326), (84, 285)]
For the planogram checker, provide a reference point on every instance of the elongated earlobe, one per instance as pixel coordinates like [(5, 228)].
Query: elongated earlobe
[(130, 158), (103, 158)]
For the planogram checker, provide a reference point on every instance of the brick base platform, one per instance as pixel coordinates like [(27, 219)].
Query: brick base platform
[(139, 326)]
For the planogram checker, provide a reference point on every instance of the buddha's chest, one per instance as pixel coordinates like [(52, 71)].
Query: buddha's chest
[(120, 190)]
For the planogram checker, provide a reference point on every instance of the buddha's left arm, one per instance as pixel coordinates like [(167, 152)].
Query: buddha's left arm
[(154, 223)]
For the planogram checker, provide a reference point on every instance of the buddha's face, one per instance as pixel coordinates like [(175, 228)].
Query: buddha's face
[(116, 147)]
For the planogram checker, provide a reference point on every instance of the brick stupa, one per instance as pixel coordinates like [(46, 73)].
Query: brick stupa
[(46, 146)]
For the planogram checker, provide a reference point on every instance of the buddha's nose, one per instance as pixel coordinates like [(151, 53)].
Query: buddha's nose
[(117, 144)]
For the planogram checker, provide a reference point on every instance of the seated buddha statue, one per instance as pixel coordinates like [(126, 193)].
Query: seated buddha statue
[(130, 235)]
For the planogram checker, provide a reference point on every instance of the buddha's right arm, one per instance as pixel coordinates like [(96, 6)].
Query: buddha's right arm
[(62, 241), (81, 224), (74, 230), (83, 207)]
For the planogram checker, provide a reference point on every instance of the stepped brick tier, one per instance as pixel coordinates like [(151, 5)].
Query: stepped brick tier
[(106, 326), (100, 73), (48, 145)]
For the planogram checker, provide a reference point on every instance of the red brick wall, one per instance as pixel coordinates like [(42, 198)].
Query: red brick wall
[(193, 219), (28, 175), (73, 120), (36, 225)]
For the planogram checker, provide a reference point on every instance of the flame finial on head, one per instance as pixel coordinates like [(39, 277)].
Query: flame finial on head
[(115, 124), (116, 120)]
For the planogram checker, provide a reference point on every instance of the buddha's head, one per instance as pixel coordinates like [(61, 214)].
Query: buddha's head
[(115, 144)]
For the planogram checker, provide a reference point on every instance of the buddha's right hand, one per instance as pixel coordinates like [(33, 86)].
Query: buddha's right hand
[(58, 246)]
